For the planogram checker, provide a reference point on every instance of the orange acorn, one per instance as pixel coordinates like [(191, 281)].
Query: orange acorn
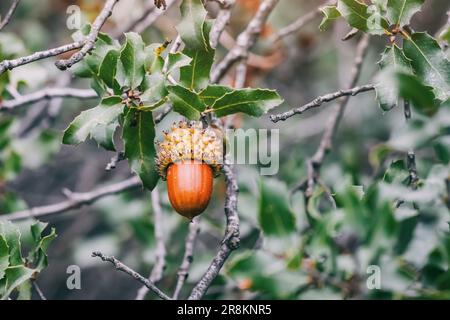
[(188, 158)]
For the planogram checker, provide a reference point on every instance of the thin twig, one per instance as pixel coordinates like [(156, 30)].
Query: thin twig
[(299, 23), (11, 64), (151, 18), (221, 22), (317, 102), (158, 269), (314, 164), (188, 257), (90, 39), (245, 40), (9, 14), (75, 200), (412, 169), (230, 240), (47, 94), (38, 290), (122, 267)]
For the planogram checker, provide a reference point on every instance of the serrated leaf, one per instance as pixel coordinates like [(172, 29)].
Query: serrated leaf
[(138, 137), (108, 67), (274, 214), (84, 125), (213, 92), (132, 58), (195, 76), (429, 63), (362, 17), (11, 234), (254, 102), (14, 277), (104, 135), (186, 102), (155, 90), (191, 26), (177, 60), (394, 59), (393, 85), (4, 256), (400, 12), (90, 65), (330, 14)]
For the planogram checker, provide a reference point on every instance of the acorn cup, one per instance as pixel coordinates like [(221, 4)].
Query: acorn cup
[(189, 157)]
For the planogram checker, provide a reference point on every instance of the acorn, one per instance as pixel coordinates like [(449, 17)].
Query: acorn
[(189, 157)]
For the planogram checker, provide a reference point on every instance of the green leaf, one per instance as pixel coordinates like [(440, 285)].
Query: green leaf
[(4, 256), (362, 17), (393, 59), (429, 63), (330, 14), (254, 102), (138, 137), (132, 57), (186, 102), (195, 76), (90, 65), (213, 92), (14, 277), (393, 85), (86, 123), (400, 12), (155, 91), (153, 60), (275, 216), (177, 60), (108, 67), (11, 234), (191, 26), (104, 135)]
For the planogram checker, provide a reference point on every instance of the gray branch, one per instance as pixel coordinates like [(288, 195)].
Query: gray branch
[(230, 241), (47, 94), (188, 257), (9, 14), (11, 64), (91, 38), (317, 102), (221, 22), (152, 17), (74, 200), (158, 269), (326, 143), (299, 23), (245, 40), (122, 267)]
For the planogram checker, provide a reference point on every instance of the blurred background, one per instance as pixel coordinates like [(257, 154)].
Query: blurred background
[(279, 257)]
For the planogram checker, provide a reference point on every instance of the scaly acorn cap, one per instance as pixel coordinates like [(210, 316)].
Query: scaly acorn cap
[(190, 141)]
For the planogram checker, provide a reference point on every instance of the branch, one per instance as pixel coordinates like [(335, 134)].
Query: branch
[(148, 17), (299, 23), (314, 164), (11, 64), (221, 22), (160, 264), (230, 241), (38, 290), (114, 160), (90, 39), (183, 271), (412, 169), (317, 102), (9, 14), (121, 267), (47, 94), (75, 200), (245, 40)]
